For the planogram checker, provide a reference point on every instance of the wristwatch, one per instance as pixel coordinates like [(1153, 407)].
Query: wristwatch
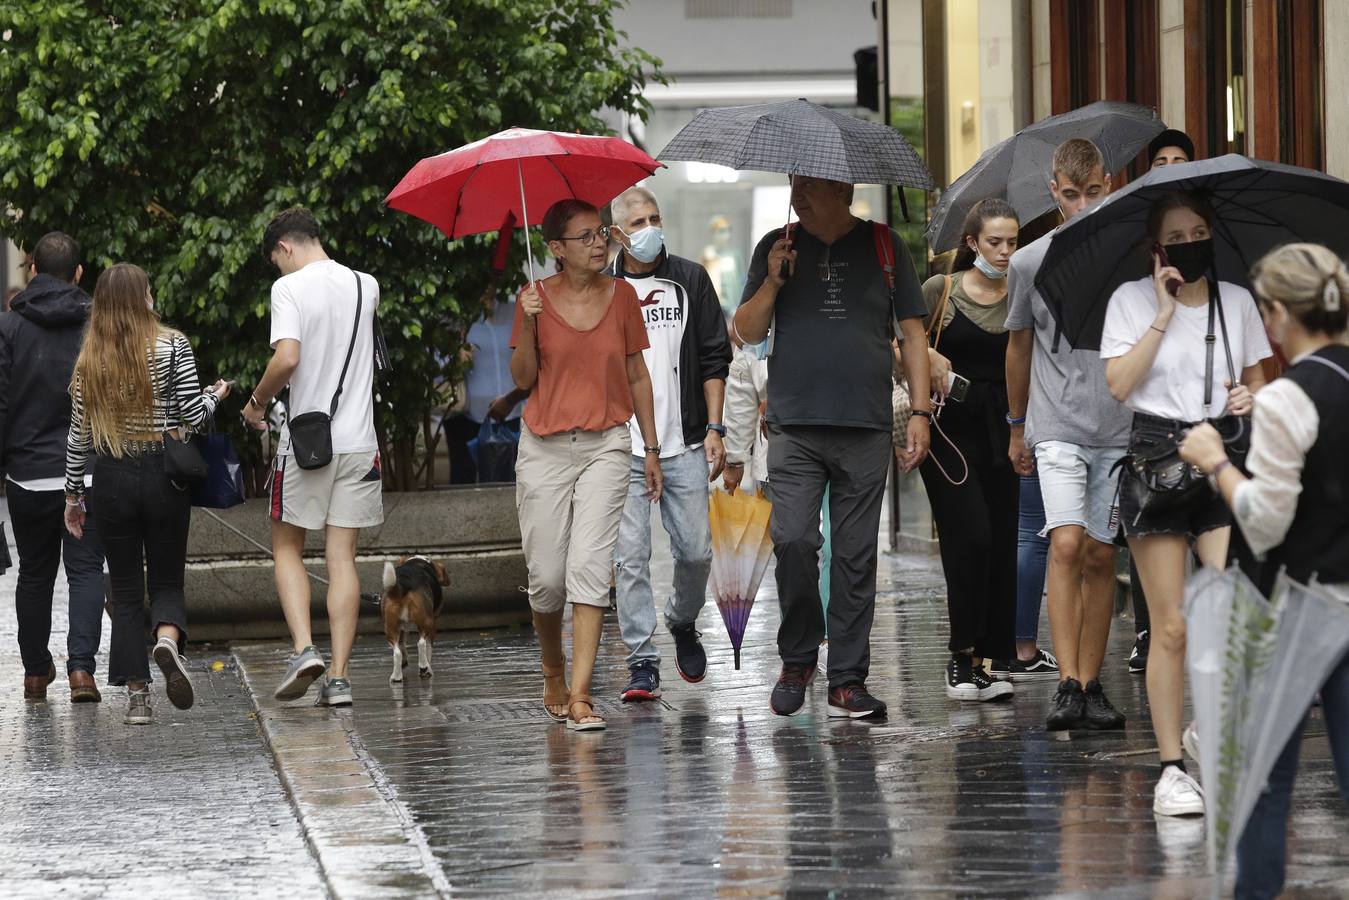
[(1015, 420), (719, 429), (925, 413), (655, 449)]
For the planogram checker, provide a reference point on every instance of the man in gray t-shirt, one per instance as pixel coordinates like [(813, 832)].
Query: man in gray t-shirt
[(1061, 411), (830, 417)]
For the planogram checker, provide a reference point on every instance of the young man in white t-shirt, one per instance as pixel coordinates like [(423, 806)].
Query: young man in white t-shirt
[(323, 338)]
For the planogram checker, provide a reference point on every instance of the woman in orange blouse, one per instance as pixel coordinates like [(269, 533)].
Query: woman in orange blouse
[(578, 342)]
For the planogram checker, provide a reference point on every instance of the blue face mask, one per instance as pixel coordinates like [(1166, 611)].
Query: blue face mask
[(989, 270), (760, 350), (646, 244)]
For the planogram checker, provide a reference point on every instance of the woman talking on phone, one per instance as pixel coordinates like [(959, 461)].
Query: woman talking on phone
[(135, 379), (972, 486), (1180, 348)]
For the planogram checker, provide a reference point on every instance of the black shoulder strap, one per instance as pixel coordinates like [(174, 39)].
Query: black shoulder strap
[(1215, 308), (355, 329)]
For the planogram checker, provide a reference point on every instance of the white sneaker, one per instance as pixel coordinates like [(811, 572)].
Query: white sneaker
[(1177, 794)]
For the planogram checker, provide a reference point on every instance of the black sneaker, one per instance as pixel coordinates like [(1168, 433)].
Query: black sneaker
[(1042, 667), (643, 682), (690, 658), (966, 681), (1100, 715), (1138, 659), (999, 670), (789, 694), (1070, 706), (854, 701)]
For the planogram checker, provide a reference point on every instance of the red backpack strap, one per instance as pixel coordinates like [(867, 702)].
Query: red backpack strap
[(885, 252)]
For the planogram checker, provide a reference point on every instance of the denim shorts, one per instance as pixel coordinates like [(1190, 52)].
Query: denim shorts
[(1080, 487)]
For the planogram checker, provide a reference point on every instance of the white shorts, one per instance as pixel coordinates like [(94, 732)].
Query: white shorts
[(346, 493), (1080, 487)]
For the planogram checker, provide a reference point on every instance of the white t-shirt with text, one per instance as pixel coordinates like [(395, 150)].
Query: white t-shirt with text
[(1174, 387), (317, 307), (664, 309)]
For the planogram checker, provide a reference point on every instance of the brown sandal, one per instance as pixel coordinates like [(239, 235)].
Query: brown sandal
[(575, 723), (549, 673)]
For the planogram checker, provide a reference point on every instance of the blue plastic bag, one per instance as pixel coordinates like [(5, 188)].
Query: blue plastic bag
[(223, 485), (496, 447)]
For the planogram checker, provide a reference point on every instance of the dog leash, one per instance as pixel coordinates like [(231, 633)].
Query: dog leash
[(368, 599)]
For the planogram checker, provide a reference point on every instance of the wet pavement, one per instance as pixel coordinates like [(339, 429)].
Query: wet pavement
[(459, 785), (190, 806)]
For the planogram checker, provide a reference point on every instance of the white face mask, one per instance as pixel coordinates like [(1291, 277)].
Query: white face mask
[(987, 268), (645, 245)]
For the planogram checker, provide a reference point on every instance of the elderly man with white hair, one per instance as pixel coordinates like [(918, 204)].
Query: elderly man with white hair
[(688, 358)]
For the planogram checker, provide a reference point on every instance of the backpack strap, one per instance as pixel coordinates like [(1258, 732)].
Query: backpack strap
[(885, 258)]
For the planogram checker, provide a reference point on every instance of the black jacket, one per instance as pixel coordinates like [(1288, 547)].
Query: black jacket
[(704, 351), (39, 341)]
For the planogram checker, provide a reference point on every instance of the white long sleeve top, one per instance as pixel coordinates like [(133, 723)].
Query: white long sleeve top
[(746, 390)]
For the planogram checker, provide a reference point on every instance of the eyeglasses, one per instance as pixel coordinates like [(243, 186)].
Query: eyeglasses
[(587, 238)]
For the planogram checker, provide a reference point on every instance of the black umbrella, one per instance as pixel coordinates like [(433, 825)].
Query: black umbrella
[(1017, 169), (1259, 206)]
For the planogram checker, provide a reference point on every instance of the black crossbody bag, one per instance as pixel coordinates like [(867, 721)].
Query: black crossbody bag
[(183, 462), (1161, 479), (311, 433)]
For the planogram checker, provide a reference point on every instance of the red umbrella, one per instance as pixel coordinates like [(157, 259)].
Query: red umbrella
[(476, 188)]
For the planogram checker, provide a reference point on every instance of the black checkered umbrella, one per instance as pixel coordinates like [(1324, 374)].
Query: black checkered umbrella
[(800, 138)]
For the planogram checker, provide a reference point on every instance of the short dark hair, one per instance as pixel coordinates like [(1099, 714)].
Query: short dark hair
[(56, 254), (294, 224), (560, 214), (1076, 160), (1171, 137)]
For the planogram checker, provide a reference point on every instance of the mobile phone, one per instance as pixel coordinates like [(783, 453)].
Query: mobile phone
[(957, 387), (1172, 284)]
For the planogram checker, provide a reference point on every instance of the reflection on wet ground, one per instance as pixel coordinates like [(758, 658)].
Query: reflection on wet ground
[(707, 792)]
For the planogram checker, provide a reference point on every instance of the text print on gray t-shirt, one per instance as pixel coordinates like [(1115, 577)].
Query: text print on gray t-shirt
[(1069, 398)]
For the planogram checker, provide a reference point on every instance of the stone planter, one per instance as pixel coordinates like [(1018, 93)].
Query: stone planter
[(473, 531)]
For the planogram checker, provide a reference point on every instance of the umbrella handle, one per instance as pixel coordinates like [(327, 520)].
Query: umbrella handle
[(529, 250), (784, 270)]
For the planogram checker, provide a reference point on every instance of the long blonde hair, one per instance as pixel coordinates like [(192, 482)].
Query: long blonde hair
[(113, 372)]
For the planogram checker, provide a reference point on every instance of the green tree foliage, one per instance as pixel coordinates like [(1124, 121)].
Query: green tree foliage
[(167, 132)]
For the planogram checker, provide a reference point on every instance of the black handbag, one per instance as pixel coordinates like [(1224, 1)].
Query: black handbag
[(311, 433), (183, 462), (1161, 480)]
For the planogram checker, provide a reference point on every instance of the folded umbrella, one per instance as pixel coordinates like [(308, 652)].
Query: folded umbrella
[(487, 184), (1018, 169), (1254, 667), (1259, 206), (741, 549)]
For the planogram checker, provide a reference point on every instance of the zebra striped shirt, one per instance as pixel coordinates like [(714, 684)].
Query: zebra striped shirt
[(175, 377)]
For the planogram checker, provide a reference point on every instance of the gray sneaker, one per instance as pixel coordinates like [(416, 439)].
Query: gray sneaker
[(334, 692), (176, 683), (138, 707), (301, 671)]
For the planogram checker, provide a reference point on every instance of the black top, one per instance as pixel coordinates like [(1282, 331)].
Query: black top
[(831, 356), (1318, 540), (39, 342)]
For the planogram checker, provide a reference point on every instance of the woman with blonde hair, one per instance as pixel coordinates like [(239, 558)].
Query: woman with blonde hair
[(134, 380), (1299, 436)]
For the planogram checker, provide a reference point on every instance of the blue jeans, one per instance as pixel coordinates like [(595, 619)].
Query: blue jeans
[(1032, 556), (683, 512), (43, 543), (1263, 846)]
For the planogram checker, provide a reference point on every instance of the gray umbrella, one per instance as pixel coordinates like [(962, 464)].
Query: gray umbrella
[(1017, 169), (800, 138)]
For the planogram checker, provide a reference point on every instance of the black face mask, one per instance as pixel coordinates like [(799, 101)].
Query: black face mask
[(1194, 259)]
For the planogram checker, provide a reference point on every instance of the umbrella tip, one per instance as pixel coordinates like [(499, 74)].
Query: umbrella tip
[(737, 659)]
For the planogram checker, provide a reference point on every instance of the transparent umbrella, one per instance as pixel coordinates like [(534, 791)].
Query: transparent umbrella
[(1254, 667)]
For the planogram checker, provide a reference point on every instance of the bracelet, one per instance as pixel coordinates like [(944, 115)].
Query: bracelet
[(1218, 469), (925, 413), (1019, 420), (719, 429), (655, 449), (1158, 330), (253, 399)]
